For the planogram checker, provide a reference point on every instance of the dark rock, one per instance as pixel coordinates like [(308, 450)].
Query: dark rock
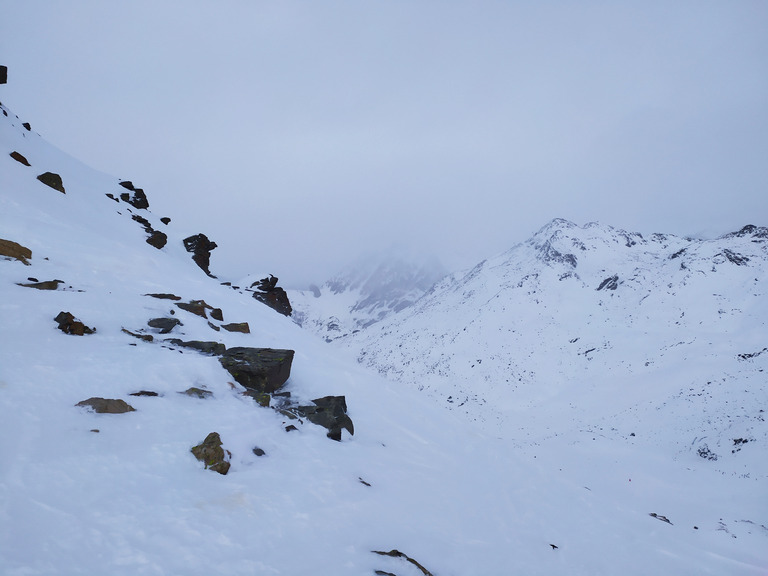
[(157, 239), (28, 126), (197, 393), (145, 337), (260, 369), (329, 412), (217, 314), (46, 285), (291, 428), (706, 453), (211, 453), (108, 195), (164, 296), (138, 199), (213, 326), (12, 250), (144, 393), (107, 405), (258, 451), (3, 74), (237, 327), (268, 292), (165, 325), (196, 307), (52, 180), (70, 325), (19, 158), (165, 220), (200, 247), (212, 348), (736, 258), (262, 398), (609, 283), (660, 517)]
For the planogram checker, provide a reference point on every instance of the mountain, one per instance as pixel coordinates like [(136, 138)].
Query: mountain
[(104, 306), (367, 291)]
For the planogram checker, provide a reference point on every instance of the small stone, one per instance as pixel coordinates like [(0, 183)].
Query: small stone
[(107, 405), (197, 393), (164, 296), (70, 325), (165, 325), (19, 158), (46, 285), (144, 393), (144, 337), (258, 451)]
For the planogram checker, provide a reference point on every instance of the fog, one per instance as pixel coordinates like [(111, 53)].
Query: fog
[(298, 135)]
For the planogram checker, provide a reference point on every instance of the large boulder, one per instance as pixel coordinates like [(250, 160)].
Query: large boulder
[(268, 292), (259, 369), (200, 247)]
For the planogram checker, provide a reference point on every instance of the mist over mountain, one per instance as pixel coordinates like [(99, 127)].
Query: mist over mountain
[(365, 292)]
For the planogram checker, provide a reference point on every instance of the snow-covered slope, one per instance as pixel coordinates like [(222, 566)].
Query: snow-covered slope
[(367, 291), (86, 493)]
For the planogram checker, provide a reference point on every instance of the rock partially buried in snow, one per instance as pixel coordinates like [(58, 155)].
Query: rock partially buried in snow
[(107, 405), (213, 348), (241, 327), (19, 158), (329, 412), (12, 250), (165, 325), (268, 292), (260, 369), (45, 285), (71, 325), (211, 453)]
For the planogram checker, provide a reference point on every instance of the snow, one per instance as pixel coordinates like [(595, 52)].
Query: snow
[(557, 465)]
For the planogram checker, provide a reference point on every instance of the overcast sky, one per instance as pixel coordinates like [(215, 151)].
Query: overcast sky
[(298, 134)]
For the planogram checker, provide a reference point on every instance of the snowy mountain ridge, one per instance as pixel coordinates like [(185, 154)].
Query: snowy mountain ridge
[(577, 470)]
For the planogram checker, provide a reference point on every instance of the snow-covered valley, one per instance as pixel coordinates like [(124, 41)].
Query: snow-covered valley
[(515, 419)]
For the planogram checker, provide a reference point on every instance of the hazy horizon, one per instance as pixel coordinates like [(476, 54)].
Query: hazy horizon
[(298, 136)]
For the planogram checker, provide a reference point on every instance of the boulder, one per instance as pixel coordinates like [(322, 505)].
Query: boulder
[(268, 292), (53, 180), (19, 158), (197, 307), (157, 239), (329, 412), (165, 325), (211, 453), (259, 369), (107, 405), (200, 247), (138, 199), (12, 250), (71, 325)]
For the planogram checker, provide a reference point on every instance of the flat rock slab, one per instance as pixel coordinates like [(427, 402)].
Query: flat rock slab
[(213, 348), (259, 369), (107, 405)]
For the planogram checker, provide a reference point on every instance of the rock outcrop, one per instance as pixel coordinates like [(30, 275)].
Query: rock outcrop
[(259, 369), (212, 348), (268, 292), (19, 158), (200, 247), (137, 199)]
